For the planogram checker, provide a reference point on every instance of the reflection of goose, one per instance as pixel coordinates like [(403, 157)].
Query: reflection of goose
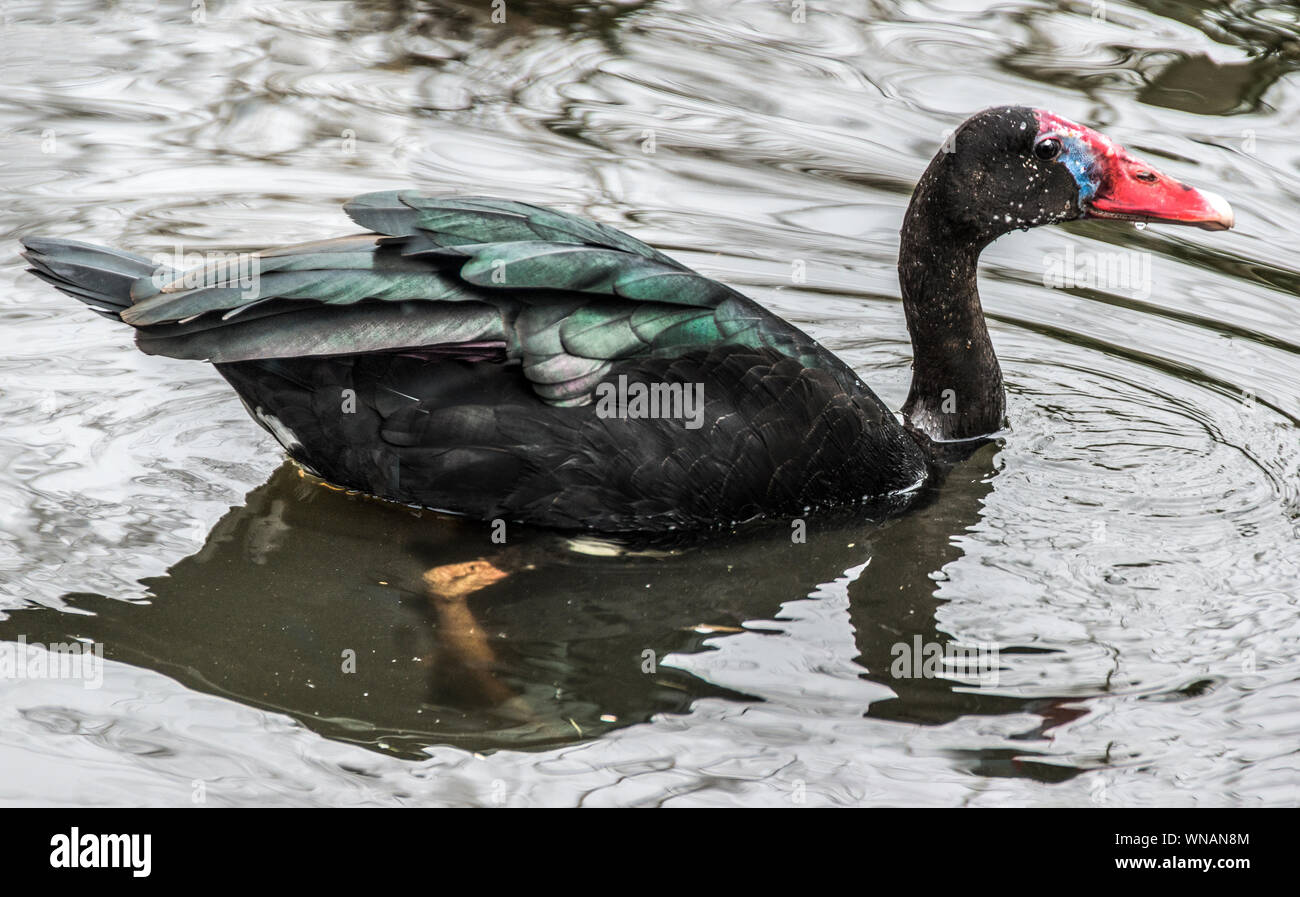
[(462, 356), (336, 620)]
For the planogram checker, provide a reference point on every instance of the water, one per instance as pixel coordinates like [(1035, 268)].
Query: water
[(1129, 549)]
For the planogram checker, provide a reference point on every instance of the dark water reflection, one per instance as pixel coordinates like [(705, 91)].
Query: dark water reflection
[(313, 602), (1129, 548)]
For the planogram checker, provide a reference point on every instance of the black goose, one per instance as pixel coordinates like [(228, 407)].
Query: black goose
[(502, 360)]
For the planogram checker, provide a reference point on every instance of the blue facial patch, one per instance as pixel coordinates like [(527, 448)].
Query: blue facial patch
[(1078, 157)]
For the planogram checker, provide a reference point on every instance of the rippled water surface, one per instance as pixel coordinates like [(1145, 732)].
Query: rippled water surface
[(1129, 548)]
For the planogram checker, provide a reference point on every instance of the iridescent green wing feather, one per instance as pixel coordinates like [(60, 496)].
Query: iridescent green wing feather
[(566, 297)]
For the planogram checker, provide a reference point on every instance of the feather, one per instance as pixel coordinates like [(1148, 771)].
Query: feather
[(468, 277)]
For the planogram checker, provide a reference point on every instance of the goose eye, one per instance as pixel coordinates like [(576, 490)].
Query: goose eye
[(1047, 149)]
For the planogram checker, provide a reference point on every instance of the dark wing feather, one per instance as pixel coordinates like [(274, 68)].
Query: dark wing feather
[(563, 296)]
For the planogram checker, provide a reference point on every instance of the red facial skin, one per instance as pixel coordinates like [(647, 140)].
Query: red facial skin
[(1127, 188)]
